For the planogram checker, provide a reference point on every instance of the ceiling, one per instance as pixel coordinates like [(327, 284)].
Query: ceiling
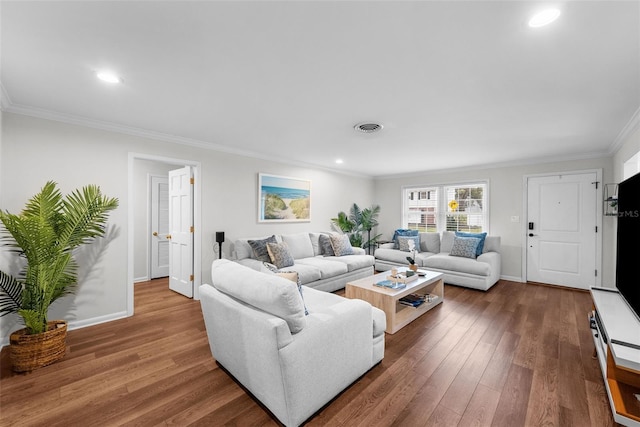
[(455, 84)]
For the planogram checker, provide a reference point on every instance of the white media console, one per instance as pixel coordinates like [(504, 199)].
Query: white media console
[(616, 335)]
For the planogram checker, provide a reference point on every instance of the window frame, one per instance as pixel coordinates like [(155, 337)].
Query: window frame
[(441, 206)]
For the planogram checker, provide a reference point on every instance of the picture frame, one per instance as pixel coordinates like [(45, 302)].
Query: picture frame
[(283, 199)]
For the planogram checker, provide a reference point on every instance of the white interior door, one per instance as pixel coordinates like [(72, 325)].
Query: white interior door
[(159, 208), (181, 231), (561, 242)]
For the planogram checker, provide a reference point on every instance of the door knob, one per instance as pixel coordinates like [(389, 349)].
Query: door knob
[(155, 233), (169, 236), (531, 234)]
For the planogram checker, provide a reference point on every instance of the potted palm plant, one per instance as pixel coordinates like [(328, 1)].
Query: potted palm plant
[(45, 234), (356, 223)]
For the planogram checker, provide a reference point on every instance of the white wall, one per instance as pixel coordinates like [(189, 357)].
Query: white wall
[(506, 200), (36, 150)]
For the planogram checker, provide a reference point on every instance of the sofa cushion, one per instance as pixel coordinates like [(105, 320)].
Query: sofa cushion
[(308, 273), (279, 254), (446, 243), (392, 255), (341, 244), (464, 247), (491, 244), (430, 242), (270, 293), (299, 245), (327, 266), (259, 248), (480, 236), (405, 246), (325, 245), (356, 262), (443, 261)]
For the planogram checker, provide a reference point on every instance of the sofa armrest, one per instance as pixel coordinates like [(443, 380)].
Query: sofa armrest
[(328, 355), (390, 245)]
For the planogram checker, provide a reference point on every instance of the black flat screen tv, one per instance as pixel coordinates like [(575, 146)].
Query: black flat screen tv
[(628, 247)]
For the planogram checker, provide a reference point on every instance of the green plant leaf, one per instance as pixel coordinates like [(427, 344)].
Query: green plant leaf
[(10, 294)]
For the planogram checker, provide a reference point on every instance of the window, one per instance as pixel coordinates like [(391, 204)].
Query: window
[(459, 207)]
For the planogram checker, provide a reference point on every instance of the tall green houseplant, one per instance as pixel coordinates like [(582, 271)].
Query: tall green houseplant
[(356, 223), (45, 233)]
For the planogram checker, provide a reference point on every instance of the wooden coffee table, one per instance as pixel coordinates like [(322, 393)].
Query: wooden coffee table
[(398, 315)]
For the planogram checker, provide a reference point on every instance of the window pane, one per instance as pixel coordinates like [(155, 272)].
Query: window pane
[(466, 211), (421, 209)]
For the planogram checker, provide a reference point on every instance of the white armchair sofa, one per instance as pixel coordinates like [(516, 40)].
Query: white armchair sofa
[(291, 362)]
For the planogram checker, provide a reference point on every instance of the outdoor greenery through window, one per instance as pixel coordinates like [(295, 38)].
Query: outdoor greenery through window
[(461, 207)]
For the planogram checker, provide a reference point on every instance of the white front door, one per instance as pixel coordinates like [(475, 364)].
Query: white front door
[(561, 241), (181, 231), (159, 226)]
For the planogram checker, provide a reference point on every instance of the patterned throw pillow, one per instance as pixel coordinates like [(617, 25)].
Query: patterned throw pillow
[(480, 236), (341, 244), (464, 247), (279, 254), (289, 275), (402, 232), (325, 245), (260, 248), (403, 243)]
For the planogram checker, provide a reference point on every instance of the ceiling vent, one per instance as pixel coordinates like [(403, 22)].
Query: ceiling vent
[(368, 127)]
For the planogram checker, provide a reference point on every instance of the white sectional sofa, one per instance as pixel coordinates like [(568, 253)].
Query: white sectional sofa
[(291, 362), (481, 272), (315, 268)]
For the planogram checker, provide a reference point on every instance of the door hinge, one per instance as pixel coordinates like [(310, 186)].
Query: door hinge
[(191, 229), (596, 183), (191, 180), (596, 273), (596, 228), (191, 277)]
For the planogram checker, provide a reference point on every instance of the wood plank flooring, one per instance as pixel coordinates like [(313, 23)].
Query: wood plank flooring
[(517, 355)]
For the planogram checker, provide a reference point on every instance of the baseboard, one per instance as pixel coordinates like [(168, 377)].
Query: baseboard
[(141, 279), (512, 279), (78, 324)]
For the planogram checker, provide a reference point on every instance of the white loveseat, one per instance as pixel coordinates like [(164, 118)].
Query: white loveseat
[(316, 269), (291, 362), (478, 273)]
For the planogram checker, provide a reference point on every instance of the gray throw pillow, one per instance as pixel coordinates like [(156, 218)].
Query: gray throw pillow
[(464, 247), (341, 244), (403, 243), (260, 248), (279, 254), (325, 245)]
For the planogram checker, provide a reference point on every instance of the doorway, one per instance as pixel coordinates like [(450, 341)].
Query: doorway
[(134, 214), (563, 229)]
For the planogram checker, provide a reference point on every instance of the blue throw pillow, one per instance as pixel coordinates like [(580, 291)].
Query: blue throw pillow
[(480, 236), (402, 232)]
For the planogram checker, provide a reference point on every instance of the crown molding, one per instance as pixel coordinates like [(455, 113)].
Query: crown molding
[(157, 136), (632, 125)]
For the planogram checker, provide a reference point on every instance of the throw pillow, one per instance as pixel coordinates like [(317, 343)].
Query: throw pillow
[(402, 232), (260, 248), (341, 244), (480, 236), (290, 275), (279, 254), (325, 245), (403, 243), (464, 247)]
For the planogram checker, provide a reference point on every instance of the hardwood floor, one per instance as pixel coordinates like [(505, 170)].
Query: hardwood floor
[(517, 355)]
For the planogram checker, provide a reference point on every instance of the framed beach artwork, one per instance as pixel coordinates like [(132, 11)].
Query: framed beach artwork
[(283, 199)]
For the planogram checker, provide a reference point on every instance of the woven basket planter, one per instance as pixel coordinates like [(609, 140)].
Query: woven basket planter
[(29, 352)]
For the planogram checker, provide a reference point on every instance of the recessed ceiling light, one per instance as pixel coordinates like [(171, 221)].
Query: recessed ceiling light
[(543, 18), (339, 161), (108, 76)]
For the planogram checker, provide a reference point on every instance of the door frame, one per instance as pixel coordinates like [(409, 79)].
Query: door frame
[(525, 210), (197, 220)]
